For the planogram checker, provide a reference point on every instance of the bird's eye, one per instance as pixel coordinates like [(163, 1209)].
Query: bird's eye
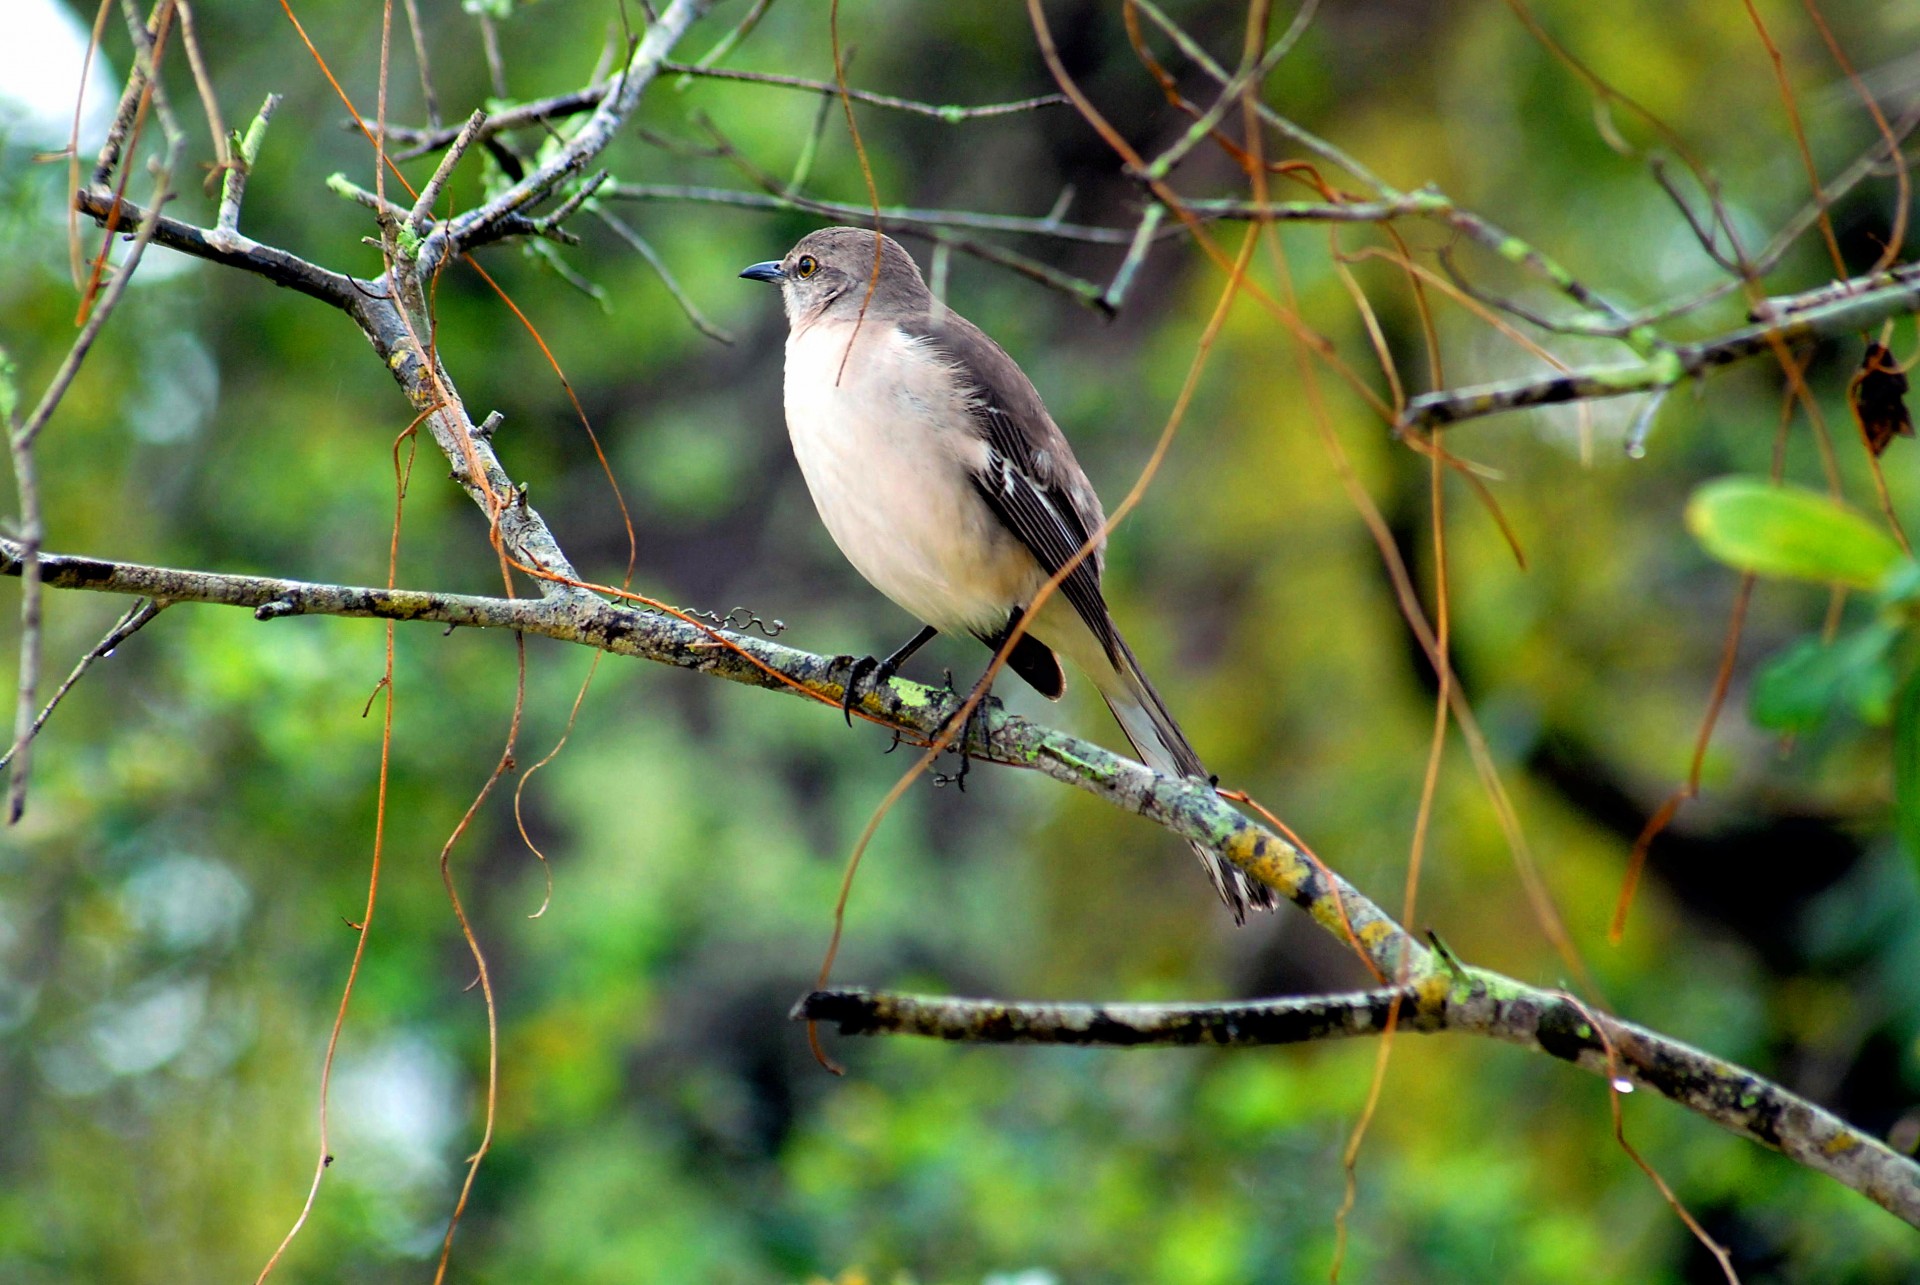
[(807, 266)]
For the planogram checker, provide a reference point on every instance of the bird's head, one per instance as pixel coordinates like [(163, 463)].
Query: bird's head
[(828, 274)]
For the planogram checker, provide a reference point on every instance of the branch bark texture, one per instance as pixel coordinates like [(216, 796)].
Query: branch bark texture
[(1471, 1002)]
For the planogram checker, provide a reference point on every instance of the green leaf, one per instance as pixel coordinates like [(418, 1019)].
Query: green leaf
[(1906, 768), (1790, 532), (1798, 688)]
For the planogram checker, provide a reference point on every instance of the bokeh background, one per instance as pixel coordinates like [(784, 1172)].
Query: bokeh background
[(172, 945)]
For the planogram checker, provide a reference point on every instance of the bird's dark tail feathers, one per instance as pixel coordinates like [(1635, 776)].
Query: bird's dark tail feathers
[(1163, 747)]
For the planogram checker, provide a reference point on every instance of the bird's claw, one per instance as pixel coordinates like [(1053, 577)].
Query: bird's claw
[(858, 667), (878, 673), (975, 726)]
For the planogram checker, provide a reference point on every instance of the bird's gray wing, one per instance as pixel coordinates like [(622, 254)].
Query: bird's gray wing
[(1031, 480)]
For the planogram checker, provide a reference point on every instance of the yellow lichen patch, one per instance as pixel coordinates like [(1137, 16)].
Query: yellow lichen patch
[(1373, 934)]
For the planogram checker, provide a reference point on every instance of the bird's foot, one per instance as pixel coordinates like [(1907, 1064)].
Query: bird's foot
[(876, 673), (975, 727)]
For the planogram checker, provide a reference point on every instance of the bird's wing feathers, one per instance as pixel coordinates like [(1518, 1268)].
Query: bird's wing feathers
[(1034, 485), (1031, 480)]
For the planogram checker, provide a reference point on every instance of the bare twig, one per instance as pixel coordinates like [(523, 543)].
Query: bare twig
[(727, 43), (1287, 128), (142, 82), (575, 102), (233, 185), (592, 138), (1150, 221), (625, 231), (278, 266), (209, 101), (952, 113), (1670, 364), (130, 624), (895, 216), (430, 193), (1251, 74), (496, 65), (428, 98)]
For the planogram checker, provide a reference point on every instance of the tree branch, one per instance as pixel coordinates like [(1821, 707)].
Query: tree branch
[(234, 251), (540, 110), (1469, 1001), (1867, 306), (896, 217), (1188, 808), (592, 138)]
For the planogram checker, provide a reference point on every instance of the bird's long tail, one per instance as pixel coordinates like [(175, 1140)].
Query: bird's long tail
[(1162, 746)]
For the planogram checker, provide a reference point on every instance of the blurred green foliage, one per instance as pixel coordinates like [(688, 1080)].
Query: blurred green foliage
[(171, 940)]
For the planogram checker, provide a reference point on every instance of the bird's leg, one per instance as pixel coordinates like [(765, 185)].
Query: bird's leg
[(881, 670)]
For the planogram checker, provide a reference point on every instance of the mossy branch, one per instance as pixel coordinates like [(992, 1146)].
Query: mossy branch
[(1188, 808), (1440, 997), (1470, 1001)]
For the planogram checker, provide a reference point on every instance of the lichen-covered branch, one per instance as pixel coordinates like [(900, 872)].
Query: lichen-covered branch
[(1188, 808), (1438, 998), (1465, 1001), (1301, 1019), (1870, 304)]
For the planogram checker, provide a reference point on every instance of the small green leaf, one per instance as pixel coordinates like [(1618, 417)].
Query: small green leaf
[(1789, 532), (1906, 768), (1798, 688)]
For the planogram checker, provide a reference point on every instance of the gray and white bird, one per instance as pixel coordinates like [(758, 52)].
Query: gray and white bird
[(942, 478)]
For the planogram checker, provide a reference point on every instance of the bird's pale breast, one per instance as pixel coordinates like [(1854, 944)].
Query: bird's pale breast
[(887, 447)]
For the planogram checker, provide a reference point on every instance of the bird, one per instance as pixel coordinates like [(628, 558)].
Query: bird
[(940, 475)]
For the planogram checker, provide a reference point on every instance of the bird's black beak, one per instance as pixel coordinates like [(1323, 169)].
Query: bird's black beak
[(768, 271)]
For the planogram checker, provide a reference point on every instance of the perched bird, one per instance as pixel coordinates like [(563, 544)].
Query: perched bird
[(945, 482)]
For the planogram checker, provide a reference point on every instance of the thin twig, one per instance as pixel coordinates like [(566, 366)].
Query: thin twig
[(895, 216), (22, 435), (130, 624), (625, 231), (1150, 221), (427, 97), (592, 138), (430, 193), (1251, 75), (952, 113), (726, 44), (496, 65), (281, 267), (233, 186), (209, 101), (575, 102), (1670, 364)]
